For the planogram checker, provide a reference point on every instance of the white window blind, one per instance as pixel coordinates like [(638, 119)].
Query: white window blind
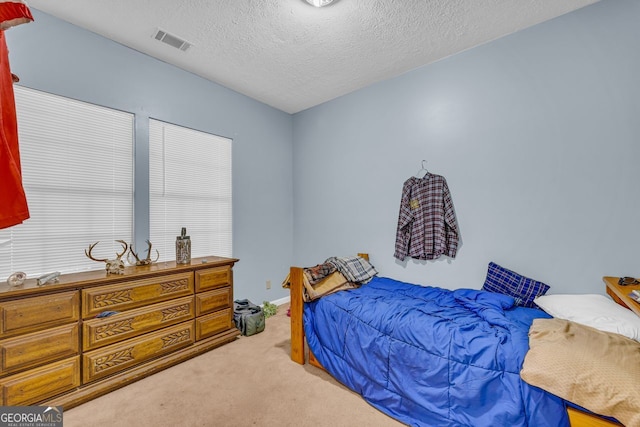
[(189, 186), (77, 165)]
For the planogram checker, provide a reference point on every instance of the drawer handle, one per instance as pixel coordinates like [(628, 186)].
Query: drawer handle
[(173, 339), (175, 286), (112, 298), (113, 359), (115, 328), (173, 312)]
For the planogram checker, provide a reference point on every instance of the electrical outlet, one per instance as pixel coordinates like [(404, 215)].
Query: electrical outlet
[(268, 284)]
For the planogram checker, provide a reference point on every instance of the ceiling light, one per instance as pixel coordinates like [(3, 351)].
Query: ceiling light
[(319, 3)]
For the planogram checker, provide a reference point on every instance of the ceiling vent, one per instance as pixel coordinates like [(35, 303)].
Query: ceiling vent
[(172, 40)]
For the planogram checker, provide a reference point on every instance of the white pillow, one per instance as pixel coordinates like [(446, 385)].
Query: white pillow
[(597, 311)]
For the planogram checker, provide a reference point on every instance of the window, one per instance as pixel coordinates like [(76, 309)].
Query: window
[(77, 166), (189, 186)]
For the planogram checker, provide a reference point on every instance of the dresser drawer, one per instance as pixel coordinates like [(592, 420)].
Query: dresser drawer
[(38, 348), (117, 357), (211, 324), (213, 278), (40, 383), (100, 332), (37, 313), (135, 294), (208, 302)]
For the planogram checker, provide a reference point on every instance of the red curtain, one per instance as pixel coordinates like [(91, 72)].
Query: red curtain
[(14, 12), (13, 201)]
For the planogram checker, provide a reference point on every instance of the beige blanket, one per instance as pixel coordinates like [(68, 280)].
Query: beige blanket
[(597, 370), (330, 284)]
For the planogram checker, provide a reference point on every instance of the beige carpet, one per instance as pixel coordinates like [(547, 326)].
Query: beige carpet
[(249, 382)]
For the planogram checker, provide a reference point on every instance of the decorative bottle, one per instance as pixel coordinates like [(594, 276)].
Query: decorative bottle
[(183, 248)]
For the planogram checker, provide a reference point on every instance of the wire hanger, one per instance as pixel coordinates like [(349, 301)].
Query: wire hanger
[(423, 171)]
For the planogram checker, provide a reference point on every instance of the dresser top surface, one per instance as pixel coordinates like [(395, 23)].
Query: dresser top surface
[(100, 277)]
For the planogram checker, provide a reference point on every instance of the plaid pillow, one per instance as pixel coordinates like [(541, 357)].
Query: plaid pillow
[(355, 269), (503, 281)]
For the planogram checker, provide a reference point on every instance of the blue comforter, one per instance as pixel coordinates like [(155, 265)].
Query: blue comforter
[(432, 357)]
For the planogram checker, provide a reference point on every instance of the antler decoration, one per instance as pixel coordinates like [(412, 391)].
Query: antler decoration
[(147, 260), (113, 266)]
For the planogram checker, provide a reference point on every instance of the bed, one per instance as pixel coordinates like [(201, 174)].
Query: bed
[(457, 383)]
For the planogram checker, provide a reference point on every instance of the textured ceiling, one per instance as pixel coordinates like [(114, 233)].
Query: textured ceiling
[(293, 56)]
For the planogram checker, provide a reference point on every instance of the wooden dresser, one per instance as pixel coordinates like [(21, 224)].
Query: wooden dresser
[(54, 350)]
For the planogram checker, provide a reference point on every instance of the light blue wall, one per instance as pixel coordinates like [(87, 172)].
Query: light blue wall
[(537, 134), (56, 57)]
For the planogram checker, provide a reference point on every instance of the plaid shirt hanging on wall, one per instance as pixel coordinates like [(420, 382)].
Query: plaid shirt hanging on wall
[(427, 226)]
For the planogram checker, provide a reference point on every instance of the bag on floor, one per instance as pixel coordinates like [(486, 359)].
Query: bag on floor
[(248, 317)]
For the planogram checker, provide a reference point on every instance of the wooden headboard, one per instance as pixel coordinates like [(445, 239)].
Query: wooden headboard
[(296, 277)]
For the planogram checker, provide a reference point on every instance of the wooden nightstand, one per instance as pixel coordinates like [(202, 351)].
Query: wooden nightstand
[(620, 294)]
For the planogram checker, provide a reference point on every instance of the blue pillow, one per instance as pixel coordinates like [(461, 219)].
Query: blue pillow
[(503, 281)]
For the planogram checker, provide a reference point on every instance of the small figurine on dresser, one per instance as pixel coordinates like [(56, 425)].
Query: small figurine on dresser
[(183, 248), (16, 279), (146, 261), (113, 266)]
